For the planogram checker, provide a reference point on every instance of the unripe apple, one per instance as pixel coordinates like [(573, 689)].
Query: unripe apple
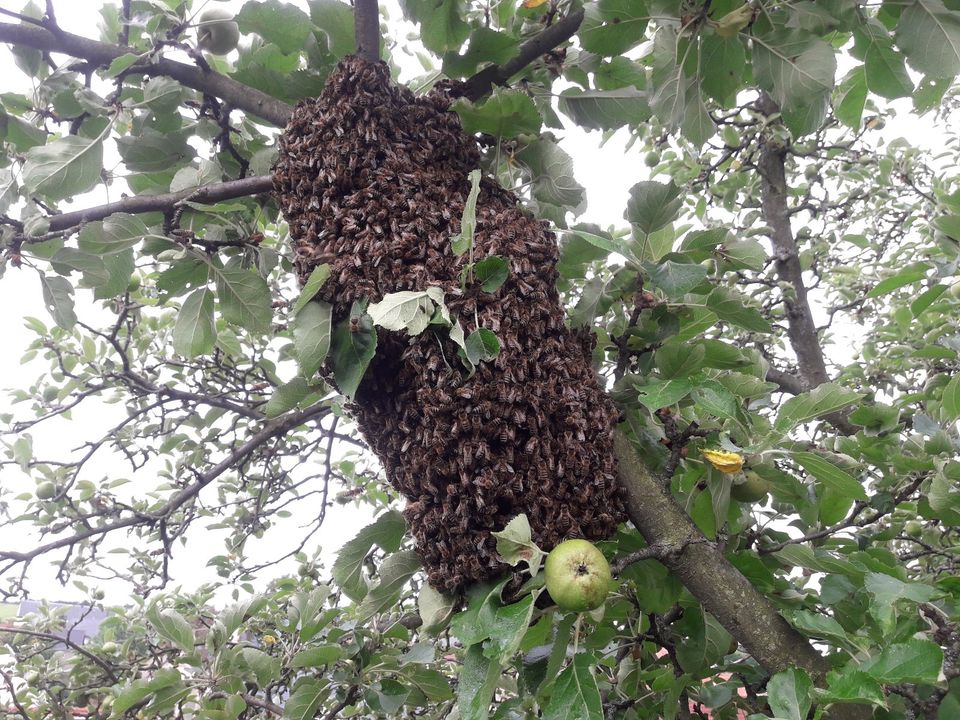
[(753, 489), (217, 31), (46, 490), (955, 290), (913, 529), (578, 576)]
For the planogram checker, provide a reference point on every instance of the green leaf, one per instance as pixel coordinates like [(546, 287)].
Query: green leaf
[(929, 35), (244, 298), (733, 307), (386, 532), (905, 277), (788, 693), (265, 668), (308, 694), (676, 279), (114, 234), (575, 694), (611, 27), (885, 590), (723, 65), (195, 333), (282, 24), (491, 272), (394, 573), (916, 661), (58, 298), (852, 686), (605, 109), (172, 626), (506, 113), (507, 627), (317, 656), (406, 310), (797, 69), (140, 689), (652, 205), (824, 627), (442, 26), (311, 336), (885, 72), (851, 97), (335, 20), (951, 399), (288, 396), (463, 241), (714, 399), (481, 345), (435, 608), (656, 395), (477, 682), (552, 174), (63, 168), (154, 152), (353, 347), (318, 276), (830, 475), (822, 400), (515, 544)]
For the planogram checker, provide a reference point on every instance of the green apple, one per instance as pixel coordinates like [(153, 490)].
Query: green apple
[(217, 31), (955, 290), (913, 529), (578, 576), (753, 488), (46, 490)]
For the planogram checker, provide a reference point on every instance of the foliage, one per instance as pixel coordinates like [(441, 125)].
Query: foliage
[(782, 292)]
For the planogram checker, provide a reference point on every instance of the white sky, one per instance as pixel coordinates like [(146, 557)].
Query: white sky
[(607, 172)]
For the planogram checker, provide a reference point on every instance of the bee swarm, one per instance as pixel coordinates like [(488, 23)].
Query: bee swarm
[(373, 181)]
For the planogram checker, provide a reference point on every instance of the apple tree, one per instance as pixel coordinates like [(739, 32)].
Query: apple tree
[(771, 322)]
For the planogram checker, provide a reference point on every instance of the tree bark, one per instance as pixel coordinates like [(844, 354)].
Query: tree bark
[(366, 16), (801, 328)]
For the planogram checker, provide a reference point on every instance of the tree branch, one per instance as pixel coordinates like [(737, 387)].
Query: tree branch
[(801, 329), (208, 194), (366, 15), (477, 86), (105, 666), (722, 590), (786, 382), (240, 96)]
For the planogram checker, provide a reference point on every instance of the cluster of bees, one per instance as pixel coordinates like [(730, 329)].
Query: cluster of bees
[(373, 181)]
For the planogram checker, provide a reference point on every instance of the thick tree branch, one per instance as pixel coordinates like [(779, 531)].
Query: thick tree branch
[(722, 590), (236, 94), (787, 382), (476, 87), (208, 194), (801, 329), (366, 16)]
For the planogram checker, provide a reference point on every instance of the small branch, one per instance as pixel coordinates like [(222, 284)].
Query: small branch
[(271, 430), (477, 86), (366, 15), (786, 382), (102, 664), (8, 681), (138, 204), (852, 520), (240, 96)]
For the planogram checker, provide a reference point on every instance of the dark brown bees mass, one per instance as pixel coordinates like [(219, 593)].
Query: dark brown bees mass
[(373, 181)]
